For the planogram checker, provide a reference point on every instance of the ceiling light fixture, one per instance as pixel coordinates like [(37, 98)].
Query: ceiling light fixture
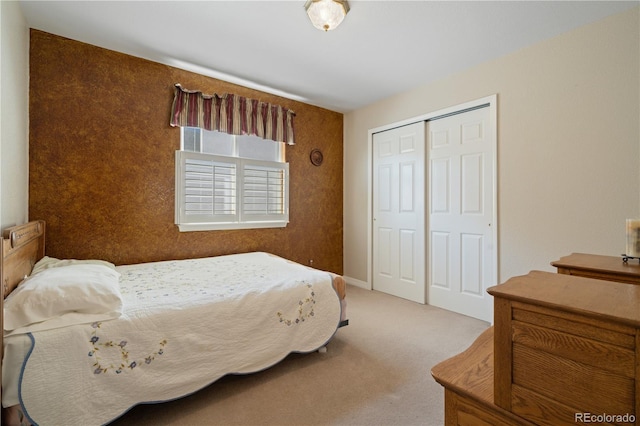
[(326, 14)]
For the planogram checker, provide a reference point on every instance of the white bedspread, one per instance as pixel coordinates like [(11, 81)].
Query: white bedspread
[(184, 325)]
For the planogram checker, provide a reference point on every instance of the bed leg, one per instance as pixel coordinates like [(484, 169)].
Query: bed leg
[(13, 416)]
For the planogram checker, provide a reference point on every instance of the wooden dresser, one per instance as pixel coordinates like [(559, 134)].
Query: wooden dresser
[(563, 350), (610, 268)]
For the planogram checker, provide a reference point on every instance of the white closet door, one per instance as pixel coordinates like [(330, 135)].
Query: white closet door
[(399, 212), (461, 191)]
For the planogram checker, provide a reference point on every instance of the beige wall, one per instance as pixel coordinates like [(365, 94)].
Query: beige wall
[(14, 114), (568, 145)]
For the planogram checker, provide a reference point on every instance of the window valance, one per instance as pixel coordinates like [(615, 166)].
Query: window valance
[(232, 114)]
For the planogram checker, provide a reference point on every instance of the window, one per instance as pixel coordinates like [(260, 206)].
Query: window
[(225, 181)]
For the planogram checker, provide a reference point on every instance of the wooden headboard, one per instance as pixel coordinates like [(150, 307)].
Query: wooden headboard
[(22, 247)]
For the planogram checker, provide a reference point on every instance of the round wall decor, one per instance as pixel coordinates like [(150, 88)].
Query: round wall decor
[(316, 157)]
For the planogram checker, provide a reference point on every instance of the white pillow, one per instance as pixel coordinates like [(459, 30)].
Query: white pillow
[(52, 262), (61, 296)]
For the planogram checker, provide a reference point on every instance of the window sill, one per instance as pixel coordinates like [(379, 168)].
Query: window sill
[(189, 227)]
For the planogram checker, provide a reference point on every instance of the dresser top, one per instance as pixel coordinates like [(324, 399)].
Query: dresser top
[(599, 263), (617, 302)]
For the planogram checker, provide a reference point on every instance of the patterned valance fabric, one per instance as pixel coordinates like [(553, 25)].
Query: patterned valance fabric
[(232, 114)]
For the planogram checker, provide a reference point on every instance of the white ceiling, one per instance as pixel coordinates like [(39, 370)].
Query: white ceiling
[(382, 47)]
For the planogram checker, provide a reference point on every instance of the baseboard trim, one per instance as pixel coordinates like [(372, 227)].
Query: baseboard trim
[(356, 282)]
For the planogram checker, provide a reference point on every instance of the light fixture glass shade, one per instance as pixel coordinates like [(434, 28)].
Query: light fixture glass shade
[(326, 14)]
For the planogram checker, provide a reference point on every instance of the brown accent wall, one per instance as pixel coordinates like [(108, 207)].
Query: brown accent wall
[(101, 163)]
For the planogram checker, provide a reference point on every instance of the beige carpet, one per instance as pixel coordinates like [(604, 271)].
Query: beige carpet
[(376, 371)]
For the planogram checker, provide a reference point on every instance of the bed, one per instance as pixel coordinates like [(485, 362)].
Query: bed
[(85, 340)]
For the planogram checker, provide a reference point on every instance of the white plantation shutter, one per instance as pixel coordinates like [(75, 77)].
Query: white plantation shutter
[(264, 187), (209, 188), (230, 192)]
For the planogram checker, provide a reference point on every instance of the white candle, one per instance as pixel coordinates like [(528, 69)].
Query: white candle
[(633, 238)]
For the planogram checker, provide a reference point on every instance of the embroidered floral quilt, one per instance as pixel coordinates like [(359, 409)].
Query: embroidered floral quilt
[(184, 325)]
